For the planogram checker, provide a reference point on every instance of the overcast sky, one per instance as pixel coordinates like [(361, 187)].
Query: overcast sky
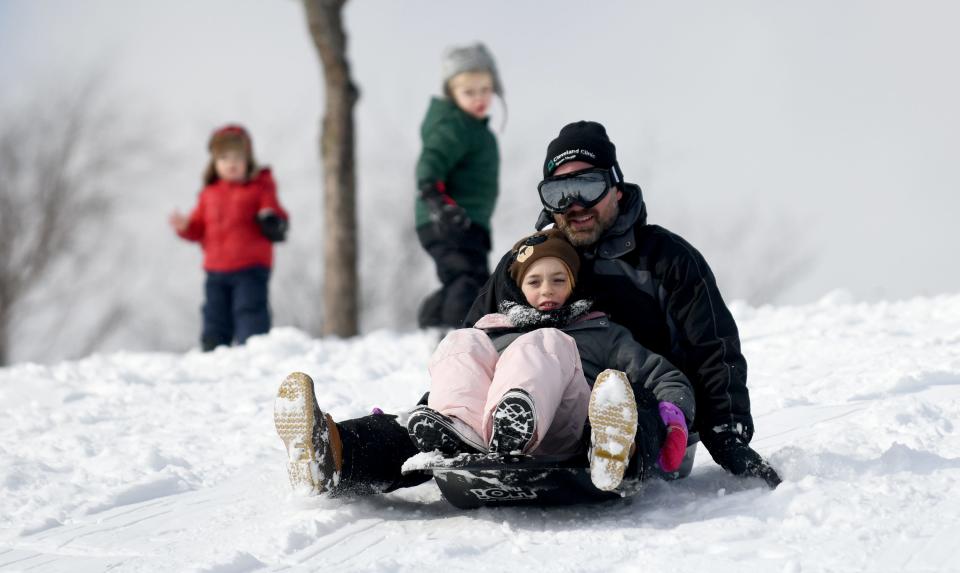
[(837, 121)]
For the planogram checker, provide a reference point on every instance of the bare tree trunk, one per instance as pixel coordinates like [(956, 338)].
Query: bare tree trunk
[(4, 333), (340, 288)]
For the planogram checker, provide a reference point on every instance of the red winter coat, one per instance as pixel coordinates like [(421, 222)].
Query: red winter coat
[(225, 223)]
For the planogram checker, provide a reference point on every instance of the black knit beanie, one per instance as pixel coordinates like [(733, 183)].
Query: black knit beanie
[(583, 141)]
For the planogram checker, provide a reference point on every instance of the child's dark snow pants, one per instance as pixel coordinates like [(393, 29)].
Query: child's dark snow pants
[(461, 259), (236, 306)]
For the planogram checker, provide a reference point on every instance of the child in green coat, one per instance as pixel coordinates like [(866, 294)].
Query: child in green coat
[(457, 176)]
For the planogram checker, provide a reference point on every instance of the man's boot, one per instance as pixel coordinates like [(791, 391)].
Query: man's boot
[(314, 449), (613, 425)]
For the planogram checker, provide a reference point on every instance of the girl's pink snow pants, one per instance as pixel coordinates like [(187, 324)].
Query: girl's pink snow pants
[(468, 378)]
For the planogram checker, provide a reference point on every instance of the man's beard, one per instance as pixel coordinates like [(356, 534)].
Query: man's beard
[(586, 238)]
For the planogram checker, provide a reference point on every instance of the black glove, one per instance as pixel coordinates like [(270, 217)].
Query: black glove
[(445, 214), (273, 226), (734, 455)]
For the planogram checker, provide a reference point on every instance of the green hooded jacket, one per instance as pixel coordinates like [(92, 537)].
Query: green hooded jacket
[(461, 151)]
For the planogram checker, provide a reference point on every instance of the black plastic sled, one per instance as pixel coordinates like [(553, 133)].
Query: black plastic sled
[(469, 481)]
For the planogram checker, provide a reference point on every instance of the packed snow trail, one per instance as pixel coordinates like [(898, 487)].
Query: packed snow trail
[(163, 462)]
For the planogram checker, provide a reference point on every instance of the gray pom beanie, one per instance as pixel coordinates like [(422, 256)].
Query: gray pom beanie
[(474, 58)]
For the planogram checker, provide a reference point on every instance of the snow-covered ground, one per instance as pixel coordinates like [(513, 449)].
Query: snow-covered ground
[(167, 462)]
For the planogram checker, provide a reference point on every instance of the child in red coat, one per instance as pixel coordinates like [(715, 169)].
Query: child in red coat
[(237, 219)]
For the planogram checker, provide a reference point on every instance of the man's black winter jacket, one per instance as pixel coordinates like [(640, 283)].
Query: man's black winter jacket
[(658, 286)]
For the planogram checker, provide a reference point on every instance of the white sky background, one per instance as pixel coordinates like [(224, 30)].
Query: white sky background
[(839, 118)]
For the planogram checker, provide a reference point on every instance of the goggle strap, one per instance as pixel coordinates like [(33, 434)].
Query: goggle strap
[(613, 175)]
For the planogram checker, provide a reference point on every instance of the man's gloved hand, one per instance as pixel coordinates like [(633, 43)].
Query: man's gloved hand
[(675, 444), (444, 211), (733, 454), (272, 226)]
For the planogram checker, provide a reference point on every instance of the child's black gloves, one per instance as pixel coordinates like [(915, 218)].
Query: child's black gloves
[(444, 211), (272, 226), (733, 454)]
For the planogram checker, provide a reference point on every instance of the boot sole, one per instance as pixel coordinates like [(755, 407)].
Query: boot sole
[(433, 431), (514, 423), (613, 422), (295, 415)]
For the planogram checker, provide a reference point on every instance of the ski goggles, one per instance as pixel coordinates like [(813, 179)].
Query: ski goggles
[(585, 188)]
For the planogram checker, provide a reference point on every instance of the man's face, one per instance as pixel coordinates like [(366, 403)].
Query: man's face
[(583, 227)]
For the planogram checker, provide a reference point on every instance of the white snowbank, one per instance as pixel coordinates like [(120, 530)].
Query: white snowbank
[(162, 462)]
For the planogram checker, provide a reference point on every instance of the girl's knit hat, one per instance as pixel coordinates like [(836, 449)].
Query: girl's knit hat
[(548, 243), (474, 58)]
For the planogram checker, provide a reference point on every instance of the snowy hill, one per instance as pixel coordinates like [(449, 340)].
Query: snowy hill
[(166, 462)]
